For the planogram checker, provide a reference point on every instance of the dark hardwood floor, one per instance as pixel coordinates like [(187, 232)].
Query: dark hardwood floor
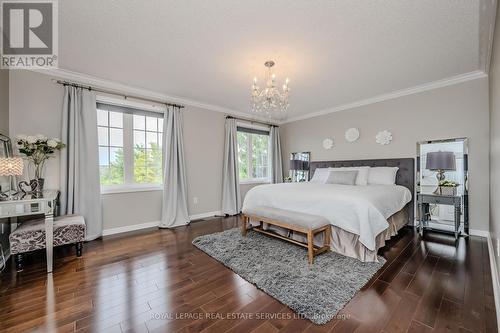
[(156, 281)]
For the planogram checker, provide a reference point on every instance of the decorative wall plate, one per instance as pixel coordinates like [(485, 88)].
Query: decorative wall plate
[(384, 137), (328, 143), (352, 134)]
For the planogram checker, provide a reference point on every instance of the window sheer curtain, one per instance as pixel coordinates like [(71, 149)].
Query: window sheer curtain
[(275, 150), (174, 204), (80, 184), (231, 197)]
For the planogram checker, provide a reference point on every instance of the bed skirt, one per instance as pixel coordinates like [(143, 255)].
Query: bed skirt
[(347, 243)]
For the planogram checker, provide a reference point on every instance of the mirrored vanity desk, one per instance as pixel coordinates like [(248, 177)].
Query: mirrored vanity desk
[(28, 205), (443, 208)]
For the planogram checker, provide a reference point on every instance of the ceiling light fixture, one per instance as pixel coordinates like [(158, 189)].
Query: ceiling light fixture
[(271, 100)]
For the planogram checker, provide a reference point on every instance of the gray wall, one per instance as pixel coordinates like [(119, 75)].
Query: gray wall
[(455, 111), (4, 129), (495, 141), (4, 101), (35, 107)]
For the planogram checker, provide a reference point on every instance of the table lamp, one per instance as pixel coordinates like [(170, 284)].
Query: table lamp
[(440, 161), (11, 166)]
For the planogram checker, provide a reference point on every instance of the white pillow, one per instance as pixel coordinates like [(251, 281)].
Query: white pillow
[(382, 175), (342, 177), (320, 175), (361, 178)]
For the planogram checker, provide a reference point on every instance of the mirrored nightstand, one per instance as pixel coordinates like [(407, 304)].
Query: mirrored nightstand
[(425, 200)]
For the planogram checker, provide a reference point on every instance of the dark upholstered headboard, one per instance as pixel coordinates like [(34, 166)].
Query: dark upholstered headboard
[(404, 177)]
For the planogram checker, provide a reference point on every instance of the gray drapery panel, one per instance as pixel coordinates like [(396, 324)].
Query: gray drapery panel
[(231, 197), (276, 161), (174, 205), (80, 183)]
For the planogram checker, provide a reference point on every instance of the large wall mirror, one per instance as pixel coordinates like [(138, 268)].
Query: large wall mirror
[(299, 166), (442, 169), (5, 151)]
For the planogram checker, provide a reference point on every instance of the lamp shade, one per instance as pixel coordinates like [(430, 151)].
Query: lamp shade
[(11, 166), (440, 160), (299, 165)]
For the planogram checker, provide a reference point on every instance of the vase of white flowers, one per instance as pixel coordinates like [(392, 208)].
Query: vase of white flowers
[(37, 150)]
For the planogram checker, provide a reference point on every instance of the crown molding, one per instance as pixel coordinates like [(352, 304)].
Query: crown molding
[(119, 88), (395, 94)]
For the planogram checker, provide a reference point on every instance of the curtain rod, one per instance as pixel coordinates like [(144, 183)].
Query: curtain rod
[(252, 121), (77, 85)]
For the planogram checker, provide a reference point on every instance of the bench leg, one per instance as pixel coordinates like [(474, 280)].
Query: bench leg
[(310, 246), (328, 237), (79, 248), (19, 262), (243, 225)]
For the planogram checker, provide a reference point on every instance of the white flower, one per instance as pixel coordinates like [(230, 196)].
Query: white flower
[(41, 137), (56, 140), (52, 143), (384, 137), (21, 137), (31, 139)]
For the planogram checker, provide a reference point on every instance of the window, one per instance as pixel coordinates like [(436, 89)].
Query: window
[(130, 147), (253, 154), (148, 133), (110, 135)]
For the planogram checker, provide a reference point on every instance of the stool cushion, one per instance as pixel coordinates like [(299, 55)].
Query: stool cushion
[(306, 221), (30, 236)]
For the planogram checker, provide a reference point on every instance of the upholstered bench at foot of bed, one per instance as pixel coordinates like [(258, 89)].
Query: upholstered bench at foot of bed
[(30, 236), (307, 224)]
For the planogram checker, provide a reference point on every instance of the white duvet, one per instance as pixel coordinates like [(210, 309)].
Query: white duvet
[(361, 210)]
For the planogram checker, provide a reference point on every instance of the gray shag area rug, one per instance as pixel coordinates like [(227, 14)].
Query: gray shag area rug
[(281, 270)]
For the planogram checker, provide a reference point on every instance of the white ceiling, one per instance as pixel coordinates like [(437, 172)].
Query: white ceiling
[(335, 52)]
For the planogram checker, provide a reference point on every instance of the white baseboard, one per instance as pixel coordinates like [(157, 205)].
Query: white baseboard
[(480, 233), (134, 227), (204, 215), (494, 277)]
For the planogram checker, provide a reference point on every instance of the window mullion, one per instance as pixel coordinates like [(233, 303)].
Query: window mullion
[(128, 148), (109, 142)]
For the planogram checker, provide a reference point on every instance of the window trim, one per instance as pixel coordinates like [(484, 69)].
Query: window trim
[(130, 188), (128, 143), (255, 181), (260, 130)]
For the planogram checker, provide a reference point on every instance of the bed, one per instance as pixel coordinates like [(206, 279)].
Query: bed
[(362, 217)]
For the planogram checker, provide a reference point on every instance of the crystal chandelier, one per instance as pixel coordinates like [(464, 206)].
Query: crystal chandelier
[(271, 100)]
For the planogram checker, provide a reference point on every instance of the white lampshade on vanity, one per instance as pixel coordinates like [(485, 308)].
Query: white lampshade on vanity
[(11, 166)]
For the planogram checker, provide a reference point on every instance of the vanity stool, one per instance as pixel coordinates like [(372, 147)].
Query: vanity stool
[(30, 236)]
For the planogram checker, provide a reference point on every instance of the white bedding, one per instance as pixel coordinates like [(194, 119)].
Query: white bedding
[(361, 210)]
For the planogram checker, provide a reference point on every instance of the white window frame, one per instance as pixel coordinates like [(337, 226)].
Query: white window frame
[(128, 147), (250, 154)]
